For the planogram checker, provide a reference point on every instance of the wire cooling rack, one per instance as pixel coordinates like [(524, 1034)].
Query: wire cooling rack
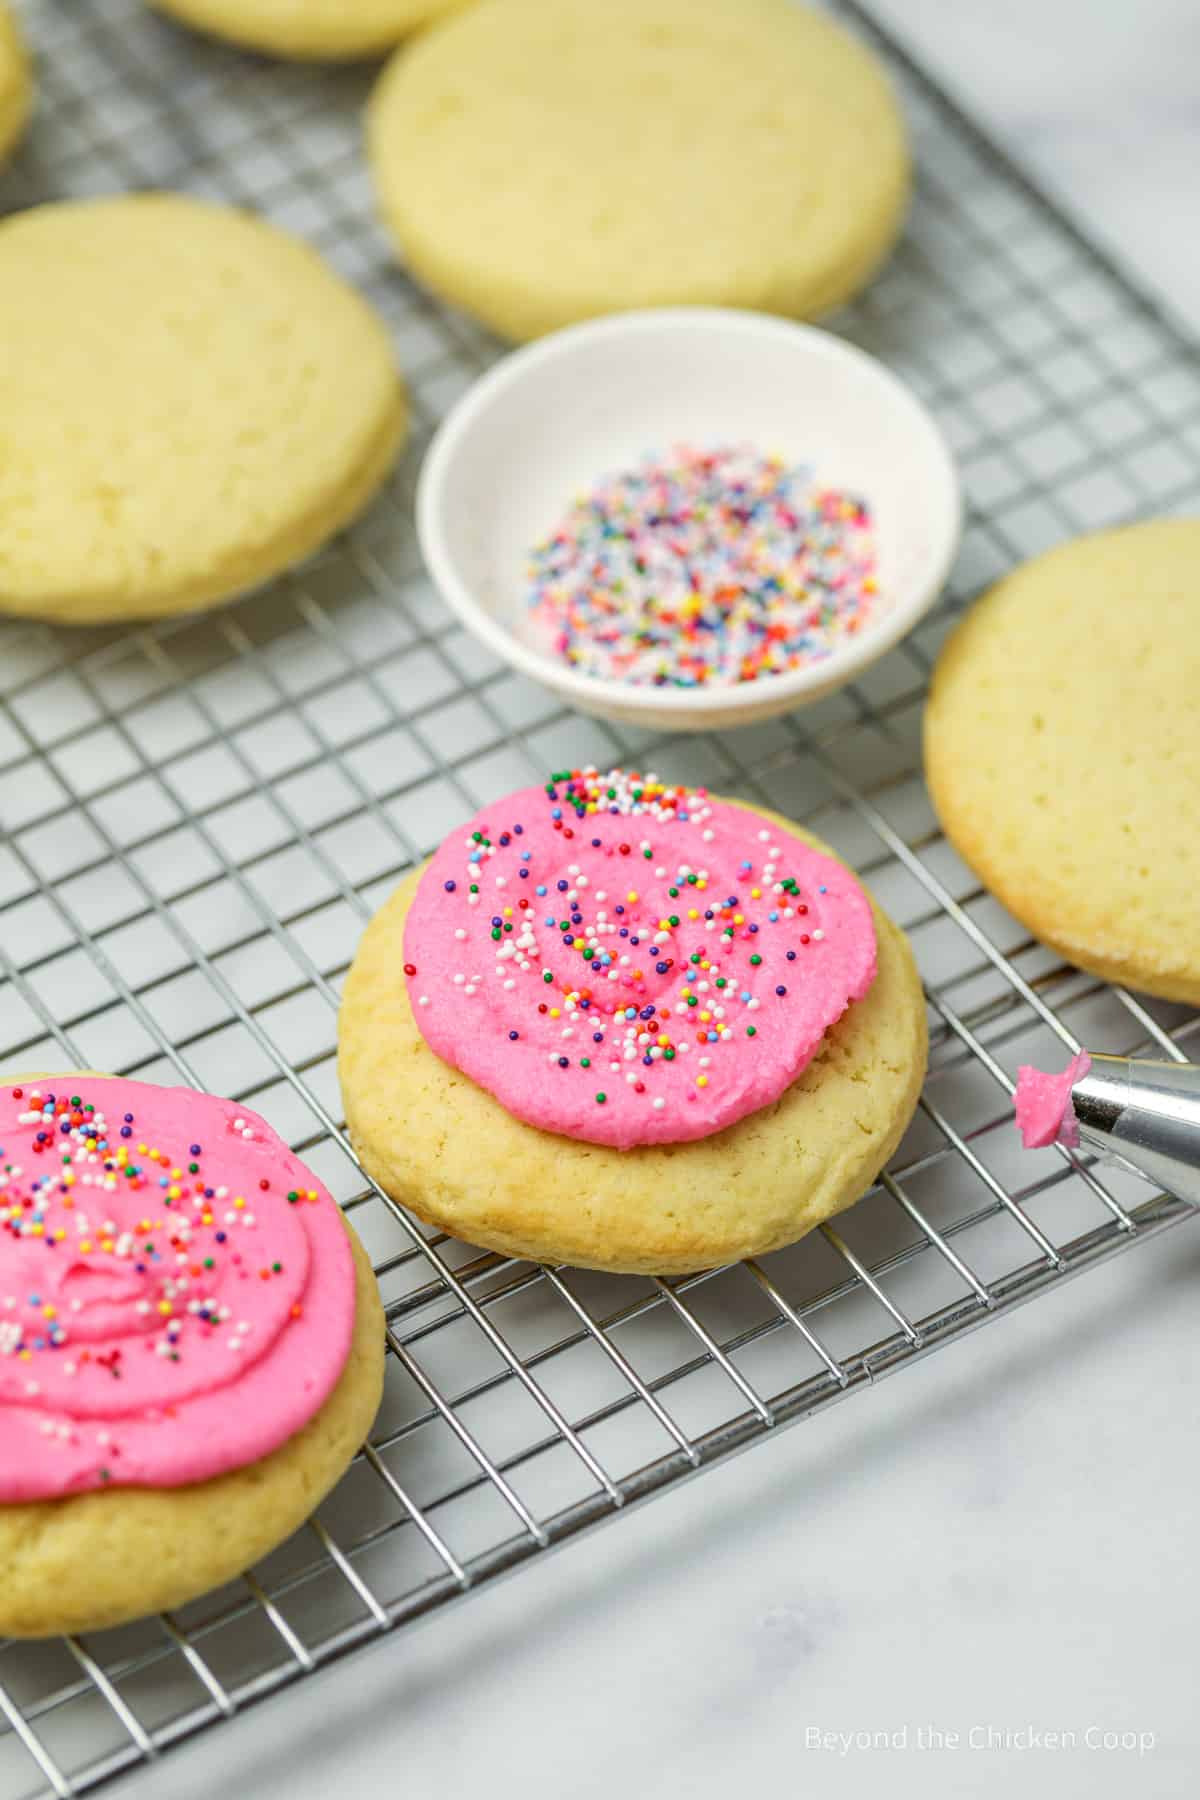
[(198, 816)]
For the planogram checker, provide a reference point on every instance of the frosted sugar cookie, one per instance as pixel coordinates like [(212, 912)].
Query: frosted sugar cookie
[(320, 30), (1063, 757), (191, 1348), (539, 164), (16, 82), (629, 1026), (192, 403)]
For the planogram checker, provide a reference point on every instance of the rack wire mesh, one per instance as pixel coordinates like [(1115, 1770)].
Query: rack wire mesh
[(197, 816)]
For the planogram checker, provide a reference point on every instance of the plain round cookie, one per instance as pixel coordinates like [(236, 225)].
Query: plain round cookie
[(1063, 756), (311, 30), (541, 163), (449, 1151), (16, 82), (192, 402), (114, 1554)]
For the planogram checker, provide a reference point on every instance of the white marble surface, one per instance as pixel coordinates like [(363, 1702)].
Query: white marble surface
[(1099, 99), (999, 1539)]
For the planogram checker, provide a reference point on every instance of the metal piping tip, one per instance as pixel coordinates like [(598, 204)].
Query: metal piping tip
[(1146, 1116)]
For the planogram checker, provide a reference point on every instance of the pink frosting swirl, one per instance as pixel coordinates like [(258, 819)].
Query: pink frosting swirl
[(1042, 1104), (177, 1291), (629, 963)]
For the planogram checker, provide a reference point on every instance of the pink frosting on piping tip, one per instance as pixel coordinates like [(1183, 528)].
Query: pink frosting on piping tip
[(166, 1318), (626, 963), (1043, 1104)]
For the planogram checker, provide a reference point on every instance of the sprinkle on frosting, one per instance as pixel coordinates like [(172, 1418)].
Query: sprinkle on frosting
[(705, 568), (176, 1292), (627, 962)]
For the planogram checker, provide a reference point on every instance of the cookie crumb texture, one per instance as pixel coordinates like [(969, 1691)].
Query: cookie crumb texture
[(451, 1152), (316, 30), (540, 164), (101, 1558), (192, 403), (16, 83), (1063, 757)]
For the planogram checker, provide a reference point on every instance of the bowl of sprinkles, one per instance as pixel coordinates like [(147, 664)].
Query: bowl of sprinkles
[(688, 517)]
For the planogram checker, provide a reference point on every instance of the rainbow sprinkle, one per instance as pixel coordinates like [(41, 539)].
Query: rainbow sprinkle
[(705, 567), (173, 1251)]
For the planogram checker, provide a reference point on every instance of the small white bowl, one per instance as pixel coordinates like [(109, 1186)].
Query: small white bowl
[(551, 419)]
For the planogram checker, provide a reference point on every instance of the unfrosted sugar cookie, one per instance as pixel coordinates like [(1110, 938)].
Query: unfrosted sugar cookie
[(192, 403), (16, 82), (1063, 757), (317, 30), (191, 1348), (629, 1026), (542, 163)]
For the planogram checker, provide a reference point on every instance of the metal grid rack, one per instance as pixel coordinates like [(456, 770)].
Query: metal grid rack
[(197, 817)]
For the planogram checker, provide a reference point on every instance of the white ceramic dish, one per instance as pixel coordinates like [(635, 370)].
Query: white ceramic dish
[(552, 418)]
